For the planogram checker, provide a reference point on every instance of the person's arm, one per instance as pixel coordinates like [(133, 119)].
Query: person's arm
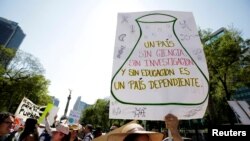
[(172, 124), (47, 126), (54, 123)]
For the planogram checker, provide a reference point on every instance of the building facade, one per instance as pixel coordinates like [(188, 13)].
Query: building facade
[(55, 101), (79, 105), (75, 114), (242, 94), (216, 35), (11, 34)]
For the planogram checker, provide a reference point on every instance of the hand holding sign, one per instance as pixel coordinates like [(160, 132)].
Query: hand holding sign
[(172, 124)]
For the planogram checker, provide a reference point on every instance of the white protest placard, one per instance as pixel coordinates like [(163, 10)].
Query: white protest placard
[(27, 109), (159, 67), (74, 117), (52, 110)]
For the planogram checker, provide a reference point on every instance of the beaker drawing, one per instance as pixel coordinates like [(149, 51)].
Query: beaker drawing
[(159, 68)]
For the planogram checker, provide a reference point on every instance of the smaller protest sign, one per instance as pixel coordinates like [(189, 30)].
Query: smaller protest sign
[(52, 110), (27, 109), (74, 117)]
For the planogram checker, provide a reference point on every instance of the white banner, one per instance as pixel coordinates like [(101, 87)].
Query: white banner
[(27, 109), (159, 67)]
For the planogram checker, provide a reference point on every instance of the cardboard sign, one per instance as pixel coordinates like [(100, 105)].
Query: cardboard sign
[(159, 67), (52, 110), (74, 117), (27, 109)]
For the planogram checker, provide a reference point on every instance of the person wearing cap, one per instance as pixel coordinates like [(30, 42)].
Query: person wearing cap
[(59, 133), (135, 132), (73, 134)]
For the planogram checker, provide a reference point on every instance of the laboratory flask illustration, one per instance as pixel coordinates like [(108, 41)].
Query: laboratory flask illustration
[(159, 67)]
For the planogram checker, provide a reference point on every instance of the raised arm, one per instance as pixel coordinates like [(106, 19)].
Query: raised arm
[(172, 124), (47, 126)]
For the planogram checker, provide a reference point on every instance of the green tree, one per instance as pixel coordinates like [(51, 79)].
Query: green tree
[(21, 76), (6, 54), (98, 115), (245, 64), (224, 57)]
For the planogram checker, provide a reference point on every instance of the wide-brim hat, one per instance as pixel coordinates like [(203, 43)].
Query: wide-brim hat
[(74, 127), (117, 130), (134, 128)]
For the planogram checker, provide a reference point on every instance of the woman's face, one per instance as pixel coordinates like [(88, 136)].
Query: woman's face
[(7, 125), (57, 136), (74, 133)]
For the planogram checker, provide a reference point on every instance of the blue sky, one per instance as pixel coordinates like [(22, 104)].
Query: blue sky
[(74, 40)]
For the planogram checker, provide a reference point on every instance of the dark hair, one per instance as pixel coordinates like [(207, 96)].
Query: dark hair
[(90, 127), (133, 137), (5, 115), (97, 132), (67, 137), (30, 128)]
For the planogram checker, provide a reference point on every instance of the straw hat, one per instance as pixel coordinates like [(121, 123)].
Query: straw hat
[(117, 130), (74, 127), (134, 128)]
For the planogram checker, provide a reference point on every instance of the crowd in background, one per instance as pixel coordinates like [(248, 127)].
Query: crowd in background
[(61, 131), (58, 131)]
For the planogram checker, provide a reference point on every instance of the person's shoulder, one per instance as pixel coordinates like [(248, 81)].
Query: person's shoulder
[(8, 137), (89, 136), (2, 138), (79, 139)]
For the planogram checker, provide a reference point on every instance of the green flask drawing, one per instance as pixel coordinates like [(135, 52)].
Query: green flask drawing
[(159, 67)]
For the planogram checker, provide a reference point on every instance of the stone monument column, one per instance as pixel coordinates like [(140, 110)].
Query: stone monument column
[(67, 106)]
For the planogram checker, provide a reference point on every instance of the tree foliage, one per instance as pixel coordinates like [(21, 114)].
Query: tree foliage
[(21, 76), (98, 115), (224, 59)]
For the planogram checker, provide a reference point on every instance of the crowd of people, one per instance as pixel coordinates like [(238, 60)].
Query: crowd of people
[(61, 131)]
